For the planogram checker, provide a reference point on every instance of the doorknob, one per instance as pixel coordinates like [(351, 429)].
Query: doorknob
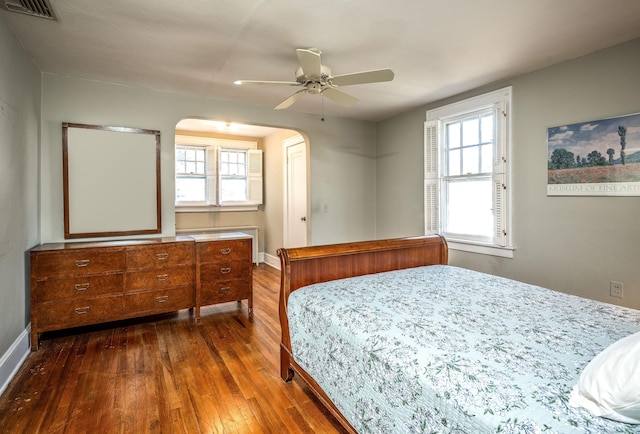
[(304, 219)]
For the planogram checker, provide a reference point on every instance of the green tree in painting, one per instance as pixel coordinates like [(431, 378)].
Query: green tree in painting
[(622, 132), (595, 158), (611, 153), (561, 159)]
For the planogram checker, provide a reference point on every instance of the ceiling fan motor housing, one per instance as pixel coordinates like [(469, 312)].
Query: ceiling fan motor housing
[(309, 82)]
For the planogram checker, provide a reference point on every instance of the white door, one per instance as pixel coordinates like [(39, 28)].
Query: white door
[(295, 201)]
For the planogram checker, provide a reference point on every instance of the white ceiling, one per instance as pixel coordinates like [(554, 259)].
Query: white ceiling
[(437, 48)]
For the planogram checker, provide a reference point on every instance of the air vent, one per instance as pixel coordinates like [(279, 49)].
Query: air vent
[(36, 8)]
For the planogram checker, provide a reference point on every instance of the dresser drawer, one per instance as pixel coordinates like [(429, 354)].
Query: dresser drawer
[(224, 250), (213, 272), (77, 287), (77, 262), (73, 313), (167, 277), (158, 256), (220, 292), (163, 300)]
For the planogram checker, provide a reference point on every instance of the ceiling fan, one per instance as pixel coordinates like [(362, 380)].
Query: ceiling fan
[(316, 78)]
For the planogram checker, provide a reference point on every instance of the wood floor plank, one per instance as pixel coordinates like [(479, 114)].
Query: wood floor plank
[(300, 421), (269, 424), (106, 396), (167, 374), (54, 406)]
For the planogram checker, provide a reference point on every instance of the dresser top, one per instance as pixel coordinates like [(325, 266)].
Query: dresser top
[(220, 236), (114, 243)]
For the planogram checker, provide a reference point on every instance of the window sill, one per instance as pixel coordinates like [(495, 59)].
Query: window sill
[(209, 208), (484, 249)]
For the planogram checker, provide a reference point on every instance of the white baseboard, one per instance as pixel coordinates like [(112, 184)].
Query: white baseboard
[(274, 261), (13, 359)]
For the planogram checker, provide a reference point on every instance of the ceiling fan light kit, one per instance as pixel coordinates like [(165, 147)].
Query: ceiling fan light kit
[(317, 79)]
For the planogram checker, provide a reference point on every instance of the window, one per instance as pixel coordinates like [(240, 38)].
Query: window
[(233, 175), (218, 173), (466, 184), (190, 174)]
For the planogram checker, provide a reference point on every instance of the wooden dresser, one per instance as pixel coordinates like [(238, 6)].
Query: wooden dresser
[(223, 269), (77, 284)]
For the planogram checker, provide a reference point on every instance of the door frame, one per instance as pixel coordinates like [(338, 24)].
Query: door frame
[(286, 143)]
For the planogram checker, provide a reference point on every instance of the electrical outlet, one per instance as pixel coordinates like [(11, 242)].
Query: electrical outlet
[(615, 289)]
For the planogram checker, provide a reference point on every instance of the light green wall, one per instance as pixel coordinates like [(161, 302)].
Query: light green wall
[(274, 190), (399, 169), (572, 244), (341, 150), (19, 129)]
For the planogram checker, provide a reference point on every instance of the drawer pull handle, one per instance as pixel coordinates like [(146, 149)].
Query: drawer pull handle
[(82, 262), (225, 290), (225, 270), (225, 251), (82, 310), (162, 277), (162, 299), (162, 256), (81, 286)]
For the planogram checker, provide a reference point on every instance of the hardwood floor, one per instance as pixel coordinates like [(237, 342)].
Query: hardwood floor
[(167, 374)]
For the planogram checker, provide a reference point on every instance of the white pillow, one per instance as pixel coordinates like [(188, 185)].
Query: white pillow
[(609, 386)]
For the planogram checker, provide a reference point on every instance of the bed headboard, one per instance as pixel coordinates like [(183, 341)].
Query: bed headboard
[(306, 265)]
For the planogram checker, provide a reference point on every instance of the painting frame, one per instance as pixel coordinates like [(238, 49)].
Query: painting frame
[(595, 158)]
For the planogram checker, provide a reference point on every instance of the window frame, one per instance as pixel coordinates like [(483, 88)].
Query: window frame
[(228, 176), (213, 146), (435, 194), (202, 176)]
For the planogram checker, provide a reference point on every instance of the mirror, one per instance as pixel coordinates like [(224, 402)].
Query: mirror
[(111, 179)]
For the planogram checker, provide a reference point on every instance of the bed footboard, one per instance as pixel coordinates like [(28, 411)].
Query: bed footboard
[(304, 266)]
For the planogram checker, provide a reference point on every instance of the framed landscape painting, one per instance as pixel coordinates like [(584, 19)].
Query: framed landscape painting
[(596, 158)]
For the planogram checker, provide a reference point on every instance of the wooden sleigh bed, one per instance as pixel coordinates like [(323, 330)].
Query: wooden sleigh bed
[(315, 264), (440, 368)]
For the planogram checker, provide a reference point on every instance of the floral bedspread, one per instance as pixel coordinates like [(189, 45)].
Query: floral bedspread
[(442, 349)]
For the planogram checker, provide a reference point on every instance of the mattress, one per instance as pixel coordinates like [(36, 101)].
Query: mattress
[(445, 349)]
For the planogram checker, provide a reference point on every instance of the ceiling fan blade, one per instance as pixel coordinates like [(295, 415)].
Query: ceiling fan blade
[(288, 83), (340, 97), (291, 100), (309, 62), (364, 77)]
